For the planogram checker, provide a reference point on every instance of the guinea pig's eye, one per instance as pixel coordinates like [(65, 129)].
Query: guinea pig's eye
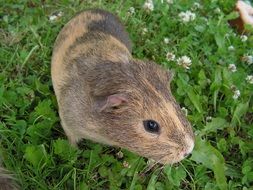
[(151, 126)]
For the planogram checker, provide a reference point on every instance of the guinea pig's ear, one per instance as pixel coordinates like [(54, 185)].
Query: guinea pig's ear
[(170, 75), (112, 101)]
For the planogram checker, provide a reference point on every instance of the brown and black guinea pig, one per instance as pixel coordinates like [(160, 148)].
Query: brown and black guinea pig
[(107, 96)]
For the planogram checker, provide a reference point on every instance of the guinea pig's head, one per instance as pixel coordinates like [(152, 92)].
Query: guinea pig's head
[(139, 113)]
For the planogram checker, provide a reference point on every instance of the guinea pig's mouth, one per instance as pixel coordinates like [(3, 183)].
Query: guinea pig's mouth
[(177, 154)]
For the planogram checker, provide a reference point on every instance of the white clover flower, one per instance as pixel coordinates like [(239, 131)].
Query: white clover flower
[(233, 87), (185, 111), (131, 10), (232, 68), (244, 38), (170, 1), (249, 79), (55, 16), (187, 16), (217, 10), (170, 56), (184, 61), (144, 31), (248, 59), (236, 92), (208, 118), (166, 40), (148, 5), (126, 164), (192, 15), (196, 6), (120, 154), (231, 48)]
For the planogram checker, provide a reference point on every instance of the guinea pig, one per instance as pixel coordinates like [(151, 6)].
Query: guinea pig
[(107, 96), (245, 11), (7, 182)]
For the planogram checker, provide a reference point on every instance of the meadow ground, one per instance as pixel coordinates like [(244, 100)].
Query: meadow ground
[(213, 84)]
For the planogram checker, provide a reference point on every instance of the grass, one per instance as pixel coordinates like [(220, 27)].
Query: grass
[(33, 145)]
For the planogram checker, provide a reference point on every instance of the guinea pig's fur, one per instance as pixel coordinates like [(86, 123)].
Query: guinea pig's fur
[(6, 180), (245, 11), (105, 95)]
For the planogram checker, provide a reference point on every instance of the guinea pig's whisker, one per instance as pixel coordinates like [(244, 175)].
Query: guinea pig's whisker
[(160, 171), (149, 167)]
